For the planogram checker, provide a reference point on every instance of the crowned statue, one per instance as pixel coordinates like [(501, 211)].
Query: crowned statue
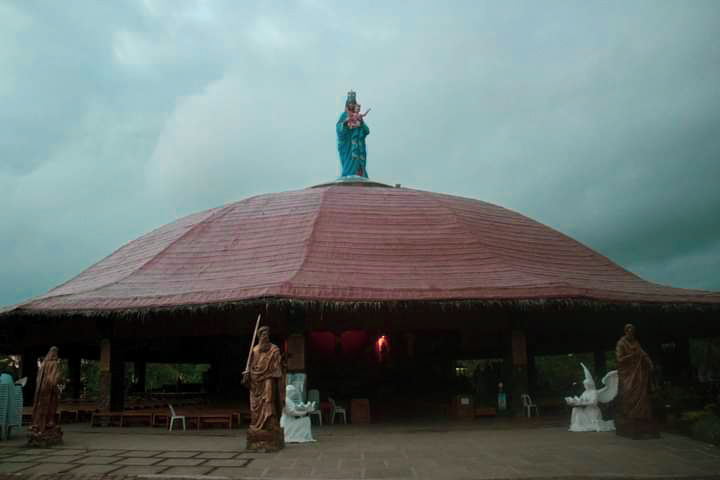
[(351, 132)]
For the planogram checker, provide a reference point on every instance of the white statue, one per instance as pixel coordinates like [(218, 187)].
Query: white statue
[(586, 416), (294, 419)]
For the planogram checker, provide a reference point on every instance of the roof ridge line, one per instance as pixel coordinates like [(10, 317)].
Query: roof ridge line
[(144, 264), (308, 240)]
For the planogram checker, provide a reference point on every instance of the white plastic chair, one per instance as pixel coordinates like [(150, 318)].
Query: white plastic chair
[(336, 410), (314, 396), (173, 417), (528, 405)]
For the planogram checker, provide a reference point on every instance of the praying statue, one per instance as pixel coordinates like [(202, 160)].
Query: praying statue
[(295, 421), (351, 132), (586, 415), (265, 379), (634, 417), (44, 432)]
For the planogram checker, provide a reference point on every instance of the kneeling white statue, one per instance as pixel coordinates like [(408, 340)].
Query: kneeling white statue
[(294, 419), (586, 416)]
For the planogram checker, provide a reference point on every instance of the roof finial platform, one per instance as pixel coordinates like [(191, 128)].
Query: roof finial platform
[(353, 180)]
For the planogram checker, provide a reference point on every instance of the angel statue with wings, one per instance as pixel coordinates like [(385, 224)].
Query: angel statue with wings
[(586, 415)]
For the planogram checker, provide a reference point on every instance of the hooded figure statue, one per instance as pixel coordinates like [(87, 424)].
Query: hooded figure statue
[(586, 415)]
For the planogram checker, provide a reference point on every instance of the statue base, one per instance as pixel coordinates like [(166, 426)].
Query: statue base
[(637, 429), (265, 441), (48, 438)]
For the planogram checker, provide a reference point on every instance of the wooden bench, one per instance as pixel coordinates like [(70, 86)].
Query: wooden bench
[(145, 417), (98, 418), (224, 419)]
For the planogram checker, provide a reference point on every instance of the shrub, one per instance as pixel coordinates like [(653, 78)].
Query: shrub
[(707, 429)]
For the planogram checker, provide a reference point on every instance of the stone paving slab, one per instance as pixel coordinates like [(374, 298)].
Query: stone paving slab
[(107, 453), (48, 468), (138, 453), (97, 460), (182, 462), (138, 461), (223, 455), (94, 469), (58, 459), (35, 451), (20, 458), (66, 451), (14, 467), (138, 470), (235, 472), (188, 471), (177, 454), (218, 462)]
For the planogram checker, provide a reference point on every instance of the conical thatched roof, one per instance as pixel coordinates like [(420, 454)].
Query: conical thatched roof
[(346, 242)]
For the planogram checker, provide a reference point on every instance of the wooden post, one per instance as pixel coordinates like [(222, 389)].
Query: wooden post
[(518, 368), (117, 379), (296, 353), (103, 400)]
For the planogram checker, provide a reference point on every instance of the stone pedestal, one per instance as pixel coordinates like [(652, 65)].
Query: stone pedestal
[(265, 441), (636, 429), (48, 438)]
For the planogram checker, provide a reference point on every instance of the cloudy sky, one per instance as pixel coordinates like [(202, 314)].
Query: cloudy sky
[(600, 119)]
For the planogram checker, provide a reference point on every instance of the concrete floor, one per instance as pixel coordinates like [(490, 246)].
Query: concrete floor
[(483, 449)]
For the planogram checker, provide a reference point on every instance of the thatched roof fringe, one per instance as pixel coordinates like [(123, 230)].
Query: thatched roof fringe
[(266, 304)]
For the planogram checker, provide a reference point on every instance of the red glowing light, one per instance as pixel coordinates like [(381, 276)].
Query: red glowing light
[(382, 345)]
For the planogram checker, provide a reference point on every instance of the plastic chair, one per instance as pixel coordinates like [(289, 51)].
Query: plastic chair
[(314, 396), (528, 405), (173, 417), (336, 410)]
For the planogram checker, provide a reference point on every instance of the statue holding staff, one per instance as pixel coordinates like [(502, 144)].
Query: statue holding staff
[(266, 380)]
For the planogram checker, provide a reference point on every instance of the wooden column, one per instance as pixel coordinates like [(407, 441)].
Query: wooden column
[(117, 379), (296, 353), (103, 400), (518, 357)]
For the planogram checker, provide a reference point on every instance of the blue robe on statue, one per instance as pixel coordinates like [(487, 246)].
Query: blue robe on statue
[(351, 147)]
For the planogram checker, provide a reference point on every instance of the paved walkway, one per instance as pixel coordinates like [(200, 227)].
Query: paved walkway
[(432, 450)]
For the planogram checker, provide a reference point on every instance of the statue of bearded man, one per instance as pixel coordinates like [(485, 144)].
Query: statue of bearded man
[(44, 431), (634, 366), (265, 379)]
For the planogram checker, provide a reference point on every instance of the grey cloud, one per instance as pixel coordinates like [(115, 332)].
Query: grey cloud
[(596, 118)]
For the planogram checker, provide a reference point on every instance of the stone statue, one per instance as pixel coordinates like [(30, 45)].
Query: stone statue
[(586, 415), (351, 132), (44, 432), (294, 420), (634, 417), (265, 379)]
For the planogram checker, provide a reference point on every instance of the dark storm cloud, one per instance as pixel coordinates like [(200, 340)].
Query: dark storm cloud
[(598, 119)]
